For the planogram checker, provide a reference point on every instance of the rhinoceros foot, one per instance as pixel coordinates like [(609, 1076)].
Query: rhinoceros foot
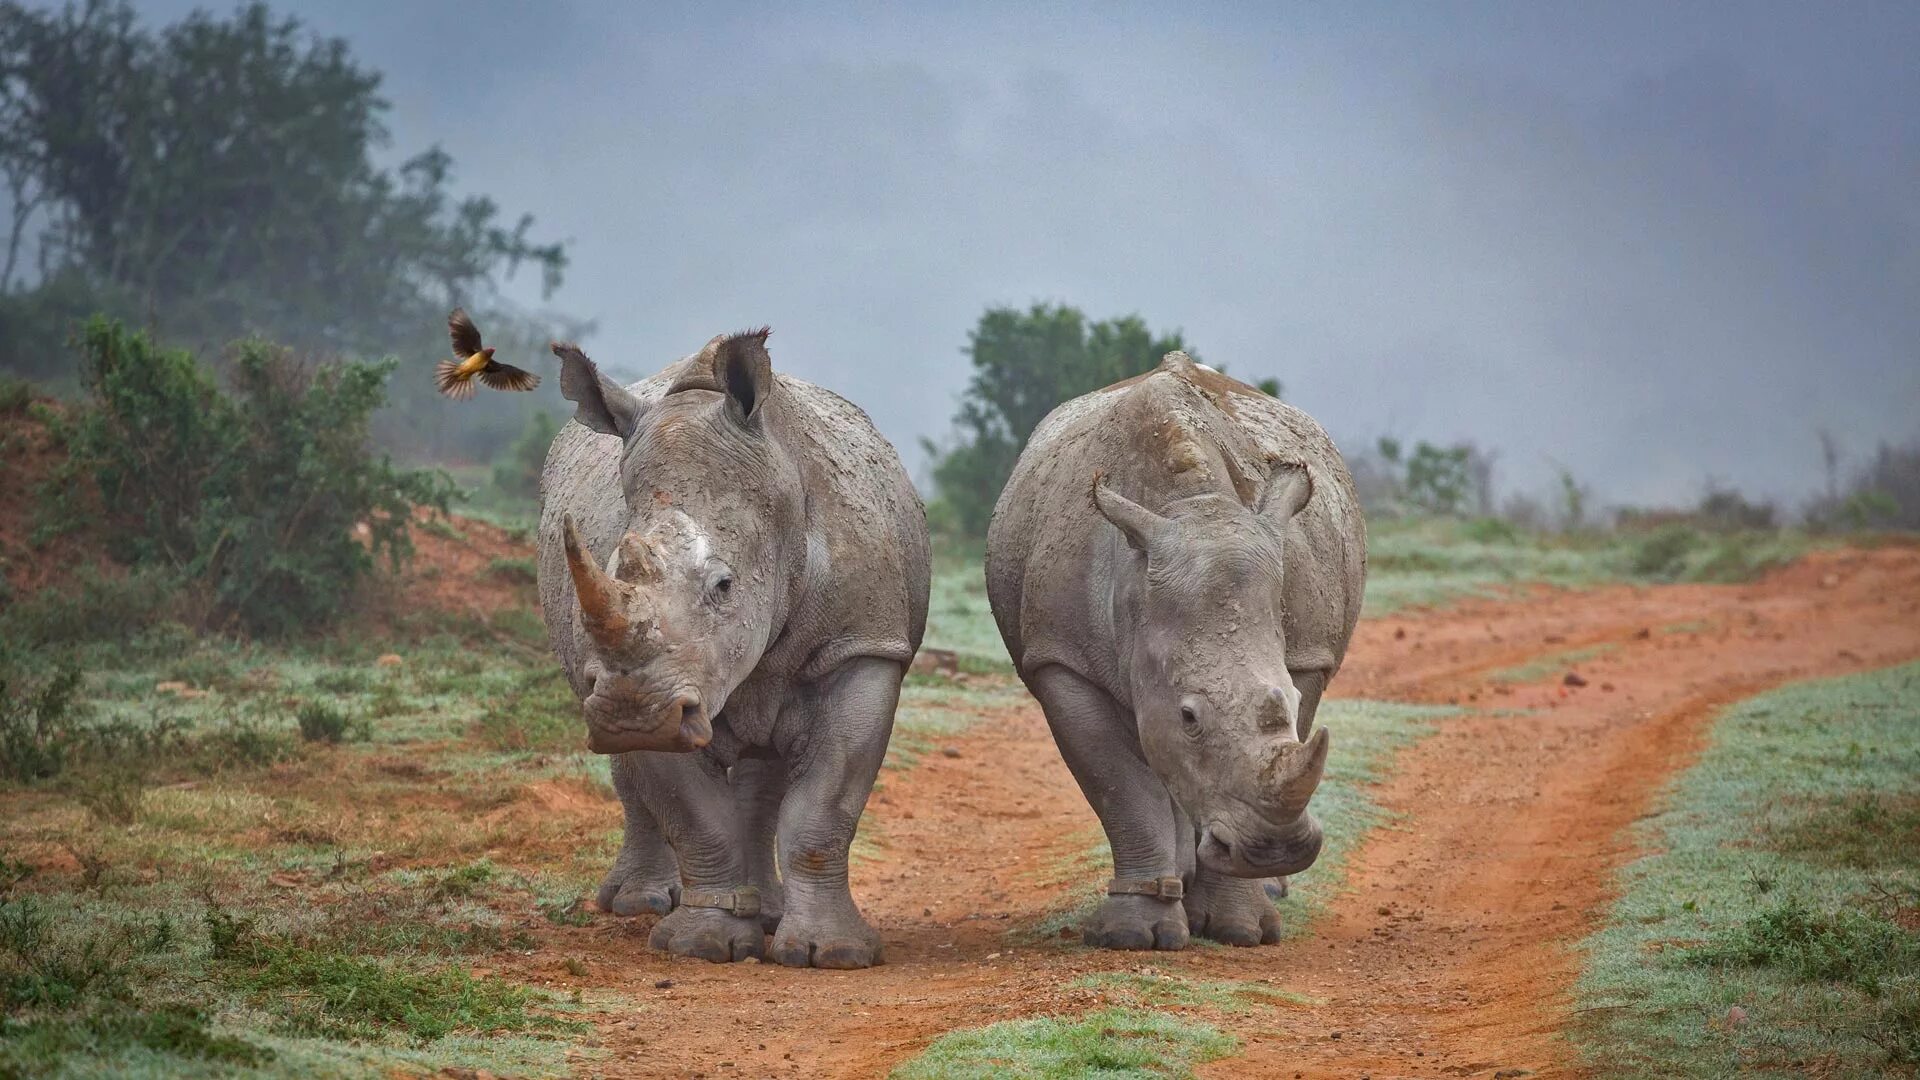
[(634, 888), (709, 934), (1232, 911), (828, 936), (1137, 922)]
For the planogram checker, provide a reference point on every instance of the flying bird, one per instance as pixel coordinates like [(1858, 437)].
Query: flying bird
[(455, 377)]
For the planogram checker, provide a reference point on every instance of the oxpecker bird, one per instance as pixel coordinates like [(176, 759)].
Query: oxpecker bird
[(455, 377)]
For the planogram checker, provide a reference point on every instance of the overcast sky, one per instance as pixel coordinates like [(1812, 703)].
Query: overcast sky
[(1656, 242)]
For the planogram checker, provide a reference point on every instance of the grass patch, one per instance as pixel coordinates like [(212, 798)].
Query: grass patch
[(517, 569), (1112, 1043), (334, 995), (1783, 883), (959, 617), (1414, 562)]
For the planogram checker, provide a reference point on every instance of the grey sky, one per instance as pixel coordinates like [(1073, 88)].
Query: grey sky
[(1655, 242)]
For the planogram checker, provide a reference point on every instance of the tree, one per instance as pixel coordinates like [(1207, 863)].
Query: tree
[(1024, 364), (215, 179)]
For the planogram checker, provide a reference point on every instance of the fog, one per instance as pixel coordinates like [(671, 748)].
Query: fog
[(1655, 245)]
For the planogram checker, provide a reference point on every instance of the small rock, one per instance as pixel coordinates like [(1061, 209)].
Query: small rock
[(1607, 686), (1643, 633), (1335, 1035), (1509, 1074), (1399, 633), (663, 984), (950, 751), (926, 912), (1831, 580), (1574, 678), (389, 660)]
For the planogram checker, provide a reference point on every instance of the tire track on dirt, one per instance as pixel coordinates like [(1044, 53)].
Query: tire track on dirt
[(1448, 955)]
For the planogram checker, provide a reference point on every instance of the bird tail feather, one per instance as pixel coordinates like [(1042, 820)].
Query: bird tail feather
[(446, 376)]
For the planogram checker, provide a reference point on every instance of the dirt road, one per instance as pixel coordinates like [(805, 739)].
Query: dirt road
[(1449, 953)]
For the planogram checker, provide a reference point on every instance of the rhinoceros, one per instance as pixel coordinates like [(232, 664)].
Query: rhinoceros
[(733, 572), (1176, 567)]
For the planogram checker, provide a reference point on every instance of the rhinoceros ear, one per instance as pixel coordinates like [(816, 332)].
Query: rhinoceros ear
[(1137, 523), (744, 371), (600, 403), (1288, 488), (736, 365)]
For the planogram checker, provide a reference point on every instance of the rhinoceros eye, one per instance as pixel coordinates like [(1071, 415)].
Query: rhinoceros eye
[(720, 586), (1189, 721)]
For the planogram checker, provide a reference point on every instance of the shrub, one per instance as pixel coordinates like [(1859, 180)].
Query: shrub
[(323, 722), (37, 722), (254, 497)]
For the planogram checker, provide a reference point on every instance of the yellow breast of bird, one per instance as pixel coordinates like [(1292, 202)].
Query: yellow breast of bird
[(471, 365)]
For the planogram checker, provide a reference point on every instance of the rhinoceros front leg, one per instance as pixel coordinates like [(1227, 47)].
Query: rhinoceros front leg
[(830, 774), (1231, 910), (1095, 736), (718, 918), (645, 877), (759, 786)]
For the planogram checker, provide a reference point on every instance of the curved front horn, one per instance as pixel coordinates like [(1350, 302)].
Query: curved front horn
[(603, 601), (1294, 772)]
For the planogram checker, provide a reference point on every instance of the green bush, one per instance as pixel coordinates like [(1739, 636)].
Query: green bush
[(253, 497), (322, 722), (37, 724)]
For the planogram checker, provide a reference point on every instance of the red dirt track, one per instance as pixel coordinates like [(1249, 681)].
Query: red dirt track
[(1448, 955)]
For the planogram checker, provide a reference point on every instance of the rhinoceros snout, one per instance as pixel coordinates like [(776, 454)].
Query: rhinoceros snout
[(1265, 852), (614, 727)]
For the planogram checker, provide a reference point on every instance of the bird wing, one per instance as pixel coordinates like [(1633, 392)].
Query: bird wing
[(466, 336), (499, 376)]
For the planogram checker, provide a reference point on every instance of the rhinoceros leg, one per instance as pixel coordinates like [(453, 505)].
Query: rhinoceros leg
[(644, 877), (830, 774), (1231, 910), (759, 785), (1095, 736), (693, 801)]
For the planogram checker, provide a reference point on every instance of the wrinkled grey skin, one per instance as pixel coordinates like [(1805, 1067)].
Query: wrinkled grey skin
[(1176, 567), (753, 561)]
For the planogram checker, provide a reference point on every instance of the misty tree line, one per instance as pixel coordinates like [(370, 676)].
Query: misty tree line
[(214, 180)]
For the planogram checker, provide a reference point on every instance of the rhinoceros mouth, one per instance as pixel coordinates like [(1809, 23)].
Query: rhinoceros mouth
[(679, 727)]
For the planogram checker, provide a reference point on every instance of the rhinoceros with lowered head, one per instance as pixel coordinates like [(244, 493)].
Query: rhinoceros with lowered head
[(1176, 567), (733, 571)]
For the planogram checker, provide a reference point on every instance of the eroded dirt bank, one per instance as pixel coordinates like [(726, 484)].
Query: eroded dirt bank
[(1450, 953)]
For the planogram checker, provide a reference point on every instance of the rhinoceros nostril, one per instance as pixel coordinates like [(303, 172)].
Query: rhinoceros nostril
[(694, 728)]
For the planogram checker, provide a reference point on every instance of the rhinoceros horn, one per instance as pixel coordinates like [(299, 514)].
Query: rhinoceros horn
[(1293, 773), (603, 601)]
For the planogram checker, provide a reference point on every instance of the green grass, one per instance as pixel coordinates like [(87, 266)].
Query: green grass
[(1783, 882), (959, 617), (1417, 562), (1110, 1044), (373, 875)]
